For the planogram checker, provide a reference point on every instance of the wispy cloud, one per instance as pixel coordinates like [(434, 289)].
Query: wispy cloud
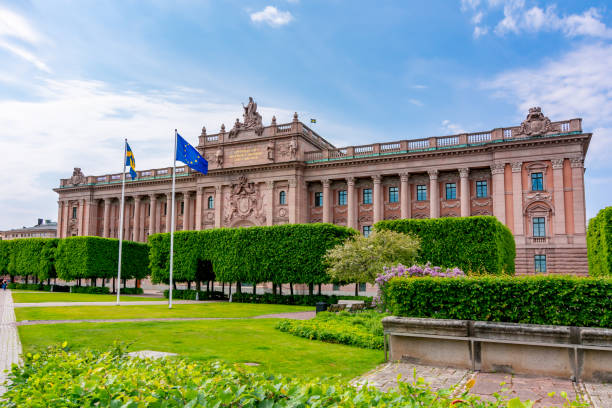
[(15, 29), (415, 102), (451, 128), (272, 16)]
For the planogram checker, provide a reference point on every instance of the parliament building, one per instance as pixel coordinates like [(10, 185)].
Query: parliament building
[(531, 177)]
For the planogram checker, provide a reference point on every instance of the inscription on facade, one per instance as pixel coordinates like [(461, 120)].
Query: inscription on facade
[(246, 154)]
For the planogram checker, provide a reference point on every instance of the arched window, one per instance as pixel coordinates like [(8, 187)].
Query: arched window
[(282, 198), (211, 202)]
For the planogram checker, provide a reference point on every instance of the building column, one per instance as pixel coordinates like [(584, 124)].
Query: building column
[(377, 206), (127, 214), (198, 209), (137, 210), (434, 194), (499, 195), (292, 201), (60, 209), (350, 213), (517, 197), (269, 202), (106, 221), (327, 201), (218, 206), (187, 212), (67, 216), (89, 217), (558, 197), (464, 194), (153, 228), (168, 211), (578, 195), (405, 196)]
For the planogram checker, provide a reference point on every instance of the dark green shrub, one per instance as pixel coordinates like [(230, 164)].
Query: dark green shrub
[(33, 257), (95, 257), (479, 244), (599, 243), (188, 294), (94, 290), (300, 300), (38, 286), (558, 300), (290, 253), (132, 291), (5, 253)]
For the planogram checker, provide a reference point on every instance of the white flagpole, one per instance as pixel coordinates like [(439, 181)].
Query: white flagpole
[(172, 222), (121, 221)]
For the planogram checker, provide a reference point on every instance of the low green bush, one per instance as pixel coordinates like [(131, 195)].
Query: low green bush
[(60, 378), (557, 300), (300, 300), (38, 286), (132, 291), (362, 329), (478, 244), (96, 290), (599, 243), (189, 294)]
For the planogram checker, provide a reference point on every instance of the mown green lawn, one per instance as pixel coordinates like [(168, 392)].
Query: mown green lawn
[(218, 309), (43, 297), (232, 341)]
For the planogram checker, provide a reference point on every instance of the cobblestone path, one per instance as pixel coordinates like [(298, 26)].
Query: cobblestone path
[(10, 346)]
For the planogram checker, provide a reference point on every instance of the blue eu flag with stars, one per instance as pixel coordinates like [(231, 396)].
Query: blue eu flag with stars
[(190, 156)]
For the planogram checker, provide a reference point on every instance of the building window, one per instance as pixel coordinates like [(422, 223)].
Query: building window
[(74, 213), (342, 197), (451, 191), (336, 287), (537, 182), (282, 198), (367, 230), (362, 287), (539, 227), (211, 202), (421, 193), (540, 263), (481, 189), (182, 207), (367, 196), (318, 199), (393, 194)]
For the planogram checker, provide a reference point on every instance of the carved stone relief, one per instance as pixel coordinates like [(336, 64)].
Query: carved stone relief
[(244, 201), (77, 177), (536, 124)]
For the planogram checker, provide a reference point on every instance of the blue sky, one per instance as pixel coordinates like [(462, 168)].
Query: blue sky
[(76, 77)]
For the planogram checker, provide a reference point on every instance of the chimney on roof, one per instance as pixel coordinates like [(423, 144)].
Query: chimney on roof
[(40, 221), (47, 221)]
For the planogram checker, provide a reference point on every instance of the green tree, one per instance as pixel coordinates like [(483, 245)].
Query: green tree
[(361, 259)]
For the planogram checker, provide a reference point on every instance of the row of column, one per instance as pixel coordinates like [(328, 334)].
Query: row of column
[(405, 210)]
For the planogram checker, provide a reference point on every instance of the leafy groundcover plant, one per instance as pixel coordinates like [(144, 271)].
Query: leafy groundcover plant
[(363, 329), (60, 378)]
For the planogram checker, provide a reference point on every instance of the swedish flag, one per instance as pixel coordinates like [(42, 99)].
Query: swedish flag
[(190, 156), (129, 160)]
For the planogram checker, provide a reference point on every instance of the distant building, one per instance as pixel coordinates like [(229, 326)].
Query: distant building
[(531, 177), (44, 229)]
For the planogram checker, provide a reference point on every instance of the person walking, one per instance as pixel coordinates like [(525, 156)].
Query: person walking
[(4, 284)]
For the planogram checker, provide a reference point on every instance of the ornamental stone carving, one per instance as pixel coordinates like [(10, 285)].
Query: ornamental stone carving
[(270, 150), (404, 177), (244, 201), (557, 163), (77, 177), (464, 172), (576, 161), (433, 174), (252, 119), (536, 124), (219, 157), (498, 168), (516, 166)]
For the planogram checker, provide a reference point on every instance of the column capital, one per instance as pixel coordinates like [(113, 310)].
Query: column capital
[(557, 163), (404, 177), (218, 188), (433, 174), (350, 181), (153, 197), (137, 198), (498, 168), (169, 195), (377, 178), (292, 182), (576, 161), (106, 200), (326, 182), (270, 184), (464, 172), (517, 166)]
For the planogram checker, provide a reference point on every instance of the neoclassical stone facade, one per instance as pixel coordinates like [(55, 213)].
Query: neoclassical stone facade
[(531, 177)]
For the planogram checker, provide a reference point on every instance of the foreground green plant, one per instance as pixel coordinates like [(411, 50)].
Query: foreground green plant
[(60, 378), (362, 329)]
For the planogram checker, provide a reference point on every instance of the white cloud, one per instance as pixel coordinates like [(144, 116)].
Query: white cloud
[(26, 55), (15, 27), (451, 128), (518, 18), (272, 16), (415, 102)]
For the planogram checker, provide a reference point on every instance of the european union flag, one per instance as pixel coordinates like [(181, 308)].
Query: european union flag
[(129, 160), (190, 156)]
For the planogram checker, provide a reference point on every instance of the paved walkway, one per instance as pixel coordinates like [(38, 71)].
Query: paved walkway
[(10, 346), (531, 388), (127, 303)]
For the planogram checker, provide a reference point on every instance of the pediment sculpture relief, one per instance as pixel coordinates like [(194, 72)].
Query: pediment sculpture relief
[(243, 202), (536, 124), (77, 177), (251, 120)]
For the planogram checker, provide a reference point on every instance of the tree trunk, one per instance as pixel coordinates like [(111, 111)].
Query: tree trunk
[(356, 289), (319, 289), (280, 289), (238, 287), (173, 285), (114, 288), (208, 286), (198, 285), (223, 287), (48, 281), (124, 282), (12, 278), (26, 280), (311, 289), (274, 288), (291, 288), (188, 285)]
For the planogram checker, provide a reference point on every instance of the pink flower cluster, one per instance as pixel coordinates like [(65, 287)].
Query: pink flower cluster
[(417, 271)]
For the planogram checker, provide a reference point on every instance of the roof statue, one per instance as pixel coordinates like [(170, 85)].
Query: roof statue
[(251, 120), (536, 124)]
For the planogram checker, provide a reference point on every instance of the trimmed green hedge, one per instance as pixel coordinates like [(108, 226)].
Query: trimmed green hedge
[(5, 253), (95, 257), (302, 300), (291, 253), (32, 257), (38, 286), (95, 290), (478, 244), (132, 291), (599, 243), (189, 294), (558, 300)]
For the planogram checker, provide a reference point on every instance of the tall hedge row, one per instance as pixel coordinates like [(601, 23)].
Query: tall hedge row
[(479, 244), (291, 253), (30, 257), (599, 243), (558, 300), (95, 257)]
